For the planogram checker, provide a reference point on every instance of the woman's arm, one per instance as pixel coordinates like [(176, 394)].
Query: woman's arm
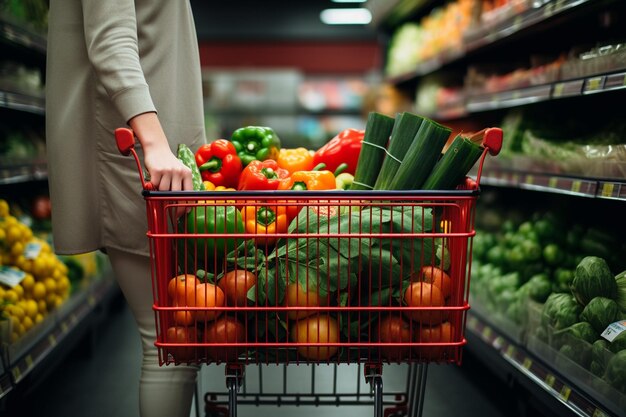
[(111, 39)]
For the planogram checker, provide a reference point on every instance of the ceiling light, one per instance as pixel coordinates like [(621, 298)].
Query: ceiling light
[(348, 1), (346, 16)]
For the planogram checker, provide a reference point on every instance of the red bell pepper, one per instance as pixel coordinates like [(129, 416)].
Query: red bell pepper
[(262, 175), (343, 148), (219, 163)]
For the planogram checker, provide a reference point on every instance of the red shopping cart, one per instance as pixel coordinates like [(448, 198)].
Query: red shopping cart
[(314, 277)]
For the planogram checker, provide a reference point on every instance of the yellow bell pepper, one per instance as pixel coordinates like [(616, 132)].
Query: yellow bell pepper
[(297, 159)]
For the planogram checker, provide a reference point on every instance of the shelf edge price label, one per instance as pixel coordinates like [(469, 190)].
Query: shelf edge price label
[(565, 392), (593, 84), (486, 332), (599, 413), (510, 351), (550, 380), (530, 179), (553, 182), (52, 340), (607, 189), (576, 186), (558, 90), (527, 363)]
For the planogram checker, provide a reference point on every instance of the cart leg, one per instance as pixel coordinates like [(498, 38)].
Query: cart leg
[(234, 376), (373, 376), (417, 388)]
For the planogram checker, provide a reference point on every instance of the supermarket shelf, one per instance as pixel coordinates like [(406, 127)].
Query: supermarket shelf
[(22, 102), (23, 358), (24, 38), (392, 12), (281, 111), (562, 89), (23, 172), (558, 184), (486, 35), (531, 372)]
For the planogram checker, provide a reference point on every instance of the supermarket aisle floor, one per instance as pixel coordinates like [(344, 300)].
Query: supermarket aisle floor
[(103, 382)]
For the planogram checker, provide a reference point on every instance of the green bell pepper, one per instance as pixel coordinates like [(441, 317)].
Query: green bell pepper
[(255, 143), (211, 219)]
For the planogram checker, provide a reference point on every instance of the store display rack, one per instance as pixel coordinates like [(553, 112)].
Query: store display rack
[(22, 102), (529, 371), (77, 315), (17, 36), (558, 184), (23, 172), (492, 34)]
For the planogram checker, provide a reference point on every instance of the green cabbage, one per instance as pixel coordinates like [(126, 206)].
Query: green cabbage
[(560, 311), (615, 373), (600, 356), (572, 334), (593, 278), (620, 280), (619, 343), (600, 312)]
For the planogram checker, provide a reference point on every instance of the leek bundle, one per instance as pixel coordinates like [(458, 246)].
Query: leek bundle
[(421, 156), (404, 130), (454, 165), (377, 132)]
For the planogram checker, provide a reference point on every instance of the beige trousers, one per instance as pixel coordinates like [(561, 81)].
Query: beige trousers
[(164, 391)]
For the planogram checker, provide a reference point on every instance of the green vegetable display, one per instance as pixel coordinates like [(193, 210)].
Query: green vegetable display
[(600, 356), (539, 287), (600, 312), (619, 343), (620, 280), (593, 278), (560, 311), (255, 143), (615, 373), (572, 334)]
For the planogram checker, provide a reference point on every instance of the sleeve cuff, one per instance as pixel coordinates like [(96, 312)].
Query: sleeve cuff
[(133, 101)]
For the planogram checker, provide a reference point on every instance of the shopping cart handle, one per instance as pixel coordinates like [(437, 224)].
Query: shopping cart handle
[(492, 140), (125, 139)]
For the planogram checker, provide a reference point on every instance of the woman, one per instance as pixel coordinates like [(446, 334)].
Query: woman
[(113, 63)]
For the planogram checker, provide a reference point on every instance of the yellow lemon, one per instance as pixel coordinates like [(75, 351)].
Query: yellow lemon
[(42, 307), (38, 318), (4, 208), (31, 309), (39, 291), (28, 282), (51, 285), (19, 290), (10, 296)]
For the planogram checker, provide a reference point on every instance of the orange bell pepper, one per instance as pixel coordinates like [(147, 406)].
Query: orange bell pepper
[(298, 159), (265, 221), (306, 180)]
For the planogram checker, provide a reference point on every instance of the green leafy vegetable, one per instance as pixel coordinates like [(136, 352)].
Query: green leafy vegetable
[(600, 312), (593, 278)]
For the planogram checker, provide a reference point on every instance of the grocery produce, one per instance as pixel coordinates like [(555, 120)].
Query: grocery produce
[(581, 331), (599, 357), (342, 149), (309, 180), (298, 295), (405, 128), (443, 333), (615, 373), (423, 294), (600, 312), (394, 329), (255, 143), (298, 159), (593, 278), (235, 285), (435, 276), (344, 181), (225, 330), (620, 280), (181, 335), (319, 328), (560, 311), (186, 156), (377, 132), (454, 165), (421, 156), (265, 221), (262, 175), (33, 280), (211, 219), (219, 163), (206, 296)]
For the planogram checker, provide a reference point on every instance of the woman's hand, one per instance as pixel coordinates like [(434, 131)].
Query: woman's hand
[(167, 173)]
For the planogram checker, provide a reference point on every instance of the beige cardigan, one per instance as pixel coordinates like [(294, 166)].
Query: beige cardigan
[(110, 60)]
